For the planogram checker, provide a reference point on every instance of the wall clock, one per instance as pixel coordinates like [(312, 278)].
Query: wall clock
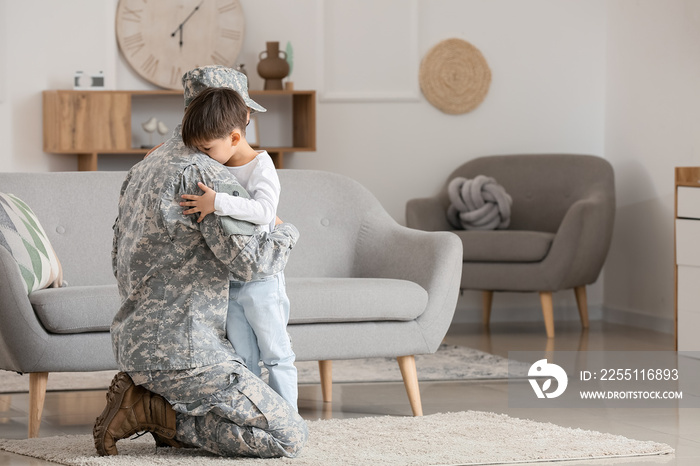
[(163, 39)]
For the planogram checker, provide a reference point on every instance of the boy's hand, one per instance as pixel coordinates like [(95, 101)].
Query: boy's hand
[(203, 204)]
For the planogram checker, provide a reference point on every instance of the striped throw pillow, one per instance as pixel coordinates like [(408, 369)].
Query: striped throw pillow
[(22, 235)]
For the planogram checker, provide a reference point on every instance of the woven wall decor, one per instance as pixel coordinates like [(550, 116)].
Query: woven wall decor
[(454, 76)]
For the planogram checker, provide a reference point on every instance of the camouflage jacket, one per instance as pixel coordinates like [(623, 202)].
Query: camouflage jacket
[(172, 272)]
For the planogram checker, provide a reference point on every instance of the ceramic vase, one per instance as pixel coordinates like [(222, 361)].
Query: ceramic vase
[(273, 68)]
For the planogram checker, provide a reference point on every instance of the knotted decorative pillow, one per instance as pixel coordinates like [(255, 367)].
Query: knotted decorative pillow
[(23, 237), (478, 204)]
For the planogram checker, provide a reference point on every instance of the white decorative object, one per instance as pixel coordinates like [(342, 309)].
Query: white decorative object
[(80, 80), (162, 129), (149, 127), (97, 81), (93, 82)]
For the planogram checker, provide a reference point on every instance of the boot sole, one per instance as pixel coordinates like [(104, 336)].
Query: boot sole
[(100, 429)]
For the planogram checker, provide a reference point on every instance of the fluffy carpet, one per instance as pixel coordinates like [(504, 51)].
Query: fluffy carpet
[(440, 439), (450, 362)]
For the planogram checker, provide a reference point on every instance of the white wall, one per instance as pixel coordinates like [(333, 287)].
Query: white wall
[(653, 71), (553, 90)]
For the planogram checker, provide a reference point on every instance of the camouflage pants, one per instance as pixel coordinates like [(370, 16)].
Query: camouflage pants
[(227, 410)]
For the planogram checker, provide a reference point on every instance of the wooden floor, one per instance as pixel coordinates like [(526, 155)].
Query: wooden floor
[(75, 412)]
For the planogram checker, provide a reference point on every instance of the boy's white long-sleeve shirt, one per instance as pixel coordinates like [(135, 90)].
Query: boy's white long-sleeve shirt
[(259, 178)]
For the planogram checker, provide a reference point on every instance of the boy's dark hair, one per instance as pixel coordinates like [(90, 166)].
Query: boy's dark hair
[(213, 114)]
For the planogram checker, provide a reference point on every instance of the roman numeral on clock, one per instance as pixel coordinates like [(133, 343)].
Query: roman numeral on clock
[(175, 75), (227, 7), (231, 34), (131, 15), (150, 65), (133, 43)]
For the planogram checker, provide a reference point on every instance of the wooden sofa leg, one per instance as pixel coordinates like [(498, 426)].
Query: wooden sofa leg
[(37, 395), (547, 312), (486, 300), (325, 368), (582, 302), (407, 364)]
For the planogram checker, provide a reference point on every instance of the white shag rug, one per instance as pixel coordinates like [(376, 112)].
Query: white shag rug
[(462, 438), (450, 362)]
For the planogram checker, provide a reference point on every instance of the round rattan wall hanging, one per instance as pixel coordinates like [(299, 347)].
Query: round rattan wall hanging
[(454, 76)]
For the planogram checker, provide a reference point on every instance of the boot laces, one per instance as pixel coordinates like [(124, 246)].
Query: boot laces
[(139, 434)]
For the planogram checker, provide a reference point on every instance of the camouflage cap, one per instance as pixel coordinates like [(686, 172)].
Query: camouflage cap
[(198, 79)]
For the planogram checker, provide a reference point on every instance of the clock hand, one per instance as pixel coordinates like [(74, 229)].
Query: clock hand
[(179, 28)]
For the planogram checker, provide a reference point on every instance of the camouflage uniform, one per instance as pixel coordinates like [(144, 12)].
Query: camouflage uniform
[(173, 276)]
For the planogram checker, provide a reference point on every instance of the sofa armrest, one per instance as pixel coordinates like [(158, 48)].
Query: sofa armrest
[(431, 259), (427, 214), (19, 327)]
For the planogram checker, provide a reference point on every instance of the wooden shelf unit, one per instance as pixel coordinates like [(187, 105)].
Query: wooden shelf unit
[(90, 123)]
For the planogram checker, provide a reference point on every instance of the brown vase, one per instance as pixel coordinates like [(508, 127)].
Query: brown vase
[(273, 68)]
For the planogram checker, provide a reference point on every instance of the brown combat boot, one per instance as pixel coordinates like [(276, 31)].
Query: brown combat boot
[(131, 409)]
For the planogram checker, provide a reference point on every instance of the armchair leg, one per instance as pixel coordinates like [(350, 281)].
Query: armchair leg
[(325, 368), (407, 365), (547, 312), (486, 300), (37, 395), (582, 302)]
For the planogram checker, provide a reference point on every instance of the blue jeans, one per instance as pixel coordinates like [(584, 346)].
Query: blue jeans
[(256, 326)]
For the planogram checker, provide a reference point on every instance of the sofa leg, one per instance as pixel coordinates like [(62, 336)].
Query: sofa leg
[(325, 368), (407, 364), (582, 302), (37, 394), (486, 300), (547, 312)]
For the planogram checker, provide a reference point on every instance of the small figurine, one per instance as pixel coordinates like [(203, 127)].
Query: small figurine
[(162, 130), (149, 127)]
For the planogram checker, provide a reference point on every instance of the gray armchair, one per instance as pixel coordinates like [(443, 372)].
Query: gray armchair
[(560, 231)]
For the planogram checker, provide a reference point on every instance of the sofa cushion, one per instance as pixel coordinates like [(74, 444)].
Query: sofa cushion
[(80, 309), (76, 309), (505, 245), (316, 300), (22, 235)]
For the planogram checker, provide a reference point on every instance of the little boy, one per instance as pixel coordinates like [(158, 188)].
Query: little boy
[(258, 312)]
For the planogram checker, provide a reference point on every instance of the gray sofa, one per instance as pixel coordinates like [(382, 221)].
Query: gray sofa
[(360, 284)]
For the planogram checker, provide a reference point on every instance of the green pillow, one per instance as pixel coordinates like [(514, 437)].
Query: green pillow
[(22, 235)]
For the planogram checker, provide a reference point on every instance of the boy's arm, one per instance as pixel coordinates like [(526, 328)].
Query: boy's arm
[(261, 208)]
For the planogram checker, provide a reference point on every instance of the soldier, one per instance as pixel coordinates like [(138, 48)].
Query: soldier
[(182, 381)]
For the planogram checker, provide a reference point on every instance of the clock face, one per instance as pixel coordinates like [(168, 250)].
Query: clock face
[(163, 39)]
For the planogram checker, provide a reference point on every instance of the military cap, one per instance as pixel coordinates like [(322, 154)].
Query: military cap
[(198, 79)]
